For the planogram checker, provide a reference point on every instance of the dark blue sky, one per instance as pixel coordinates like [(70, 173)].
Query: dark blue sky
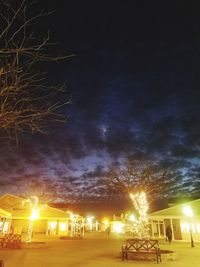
[(135, 88)]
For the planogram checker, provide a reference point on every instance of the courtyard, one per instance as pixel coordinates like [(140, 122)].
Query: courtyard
[(94, 250)]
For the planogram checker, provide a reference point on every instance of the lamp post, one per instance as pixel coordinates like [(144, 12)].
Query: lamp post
[(188, 212)]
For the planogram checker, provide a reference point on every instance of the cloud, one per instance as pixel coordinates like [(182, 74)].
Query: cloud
[(135, 95)]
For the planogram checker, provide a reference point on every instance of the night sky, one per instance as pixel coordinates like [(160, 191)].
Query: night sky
[(134, 81)]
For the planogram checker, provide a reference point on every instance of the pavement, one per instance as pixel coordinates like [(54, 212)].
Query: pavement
[(94, 250)]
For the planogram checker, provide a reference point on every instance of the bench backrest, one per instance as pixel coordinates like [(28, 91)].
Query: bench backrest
[(142, 244)]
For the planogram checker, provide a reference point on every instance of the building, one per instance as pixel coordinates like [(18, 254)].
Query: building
[(5, 221), (184, 220), (49, 220)]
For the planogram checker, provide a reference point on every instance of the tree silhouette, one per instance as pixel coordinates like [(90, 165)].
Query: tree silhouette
[(27, 102)]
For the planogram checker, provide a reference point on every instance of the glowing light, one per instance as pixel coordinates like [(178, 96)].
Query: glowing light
[(185, 227), (52, 225), (34, 214), (96, 225), (106, 223), (73, 216), (187, 211), (33, 202), (132, 218), (117, 227), (141, 205), (76, 223), (90, 221), (63, 227), (198, 227)]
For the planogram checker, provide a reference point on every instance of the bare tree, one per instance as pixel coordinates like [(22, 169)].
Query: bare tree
[(47, 191), (136, 179), (139, 176), (27, 102)]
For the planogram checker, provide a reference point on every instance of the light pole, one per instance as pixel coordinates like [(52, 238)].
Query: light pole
[(188, 212)]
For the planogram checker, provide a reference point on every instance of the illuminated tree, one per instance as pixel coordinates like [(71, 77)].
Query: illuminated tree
[(34, 214), (141, 205), (138, 179), (27, 102)]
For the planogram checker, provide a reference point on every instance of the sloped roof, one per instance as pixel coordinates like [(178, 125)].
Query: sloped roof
[(49, 212), (4, 213), (10, 201), (20, 208), (177, 210)]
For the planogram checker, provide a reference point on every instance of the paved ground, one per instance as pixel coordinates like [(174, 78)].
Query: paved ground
[(95, 250)]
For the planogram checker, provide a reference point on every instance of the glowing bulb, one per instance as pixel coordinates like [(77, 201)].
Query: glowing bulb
[(132, 217), (118, 227), (34, 214), (188, 211)]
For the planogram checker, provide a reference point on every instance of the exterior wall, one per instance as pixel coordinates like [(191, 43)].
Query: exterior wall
[(20, 226), (57, 227), (177, 229), (189, 227), (157, 228), (175, 226), (180, 228), (49, 227), (5, 224), (40, 226)]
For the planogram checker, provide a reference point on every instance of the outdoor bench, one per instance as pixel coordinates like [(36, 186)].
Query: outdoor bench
[(10, 241), (141, 247)]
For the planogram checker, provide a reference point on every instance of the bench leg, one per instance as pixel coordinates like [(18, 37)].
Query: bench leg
[(158, 258), (159, 255), (122, 254)]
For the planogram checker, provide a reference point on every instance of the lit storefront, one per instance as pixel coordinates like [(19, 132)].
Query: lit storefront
[(44, 220), (182, 225), (5, 221)]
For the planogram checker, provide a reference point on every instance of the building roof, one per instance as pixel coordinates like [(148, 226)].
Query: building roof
[(177, 210), (19, 207), (4, 213)]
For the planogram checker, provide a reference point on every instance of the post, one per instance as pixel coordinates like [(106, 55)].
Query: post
[(159, 229), (171, 224), (191, 236), (189, 213), (29, 232)]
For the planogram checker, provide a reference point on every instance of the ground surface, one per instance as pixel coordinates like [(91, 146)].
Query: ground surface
[(95, 250)]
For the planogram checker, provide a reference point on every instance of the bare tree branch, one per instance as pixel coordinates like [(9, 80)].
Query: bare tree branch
[(27, 102), (137, 176)]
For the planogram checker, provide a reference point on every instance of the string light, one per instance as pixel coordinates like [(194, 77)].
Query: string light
[(33, 202), (141, 225)]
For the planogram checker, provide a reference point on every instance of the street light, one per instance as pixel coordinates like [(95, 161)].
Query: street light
[(188, 212), (90, 222)]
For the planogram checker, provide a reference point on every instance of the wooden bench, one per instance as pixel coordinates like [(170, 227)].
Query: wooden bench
[(10, 241), (140, 247)]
